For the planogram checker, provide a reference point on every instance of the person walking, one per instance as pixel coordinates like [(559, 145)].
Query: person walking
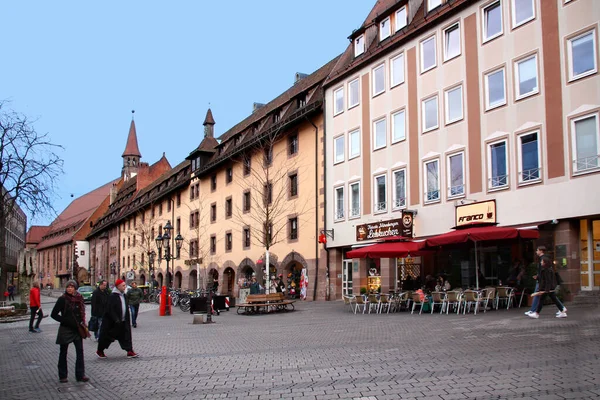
[(116, 323), (35, 305), (547, 283), (134, 297), (99, 304), (541, 253), (69, 310), (11, 292)]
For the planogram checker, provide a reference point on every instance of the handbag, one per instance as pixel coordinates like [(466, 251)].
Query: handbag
[(83, 331), (93, 324)]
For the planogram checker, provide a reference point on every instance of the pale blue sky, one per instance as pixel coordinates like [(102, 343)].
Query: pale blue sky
[(80, 67)]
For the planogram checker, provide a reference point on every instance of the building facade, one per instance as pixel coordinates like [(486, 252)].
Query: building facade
[(438, 103)]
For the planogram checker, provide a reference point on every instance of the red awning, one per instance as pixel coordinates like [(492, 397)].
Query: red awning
[(387, 249), (482, 233)]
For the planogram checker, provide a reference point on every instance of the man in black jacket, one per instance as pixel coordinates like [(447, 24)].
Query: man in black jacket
[(99, 303), (116, 323)]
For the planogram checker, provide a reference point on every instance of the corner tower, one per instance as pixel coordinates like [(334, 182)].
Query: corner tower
[(131, 155)]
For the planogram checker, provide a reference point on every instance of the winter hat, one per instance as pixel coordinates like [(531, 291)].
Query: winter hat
[(71, 283), (119, 281)]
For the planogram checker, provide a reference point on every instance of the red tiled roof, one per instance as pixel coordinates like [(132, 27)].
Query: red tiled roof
[(35, 234), (131, 149)]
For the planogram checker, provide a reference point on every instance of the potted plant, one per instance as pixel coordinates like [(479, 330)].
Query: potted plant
[(363, 290)]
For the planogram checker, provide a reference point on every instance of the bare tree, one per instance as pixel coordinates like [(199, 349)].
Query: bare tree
[(29, 167), (272, 178)]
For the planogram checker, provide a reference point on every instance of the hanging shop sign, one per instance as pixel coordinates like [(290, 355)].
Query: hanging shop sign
[(476, 213), (378, 230)]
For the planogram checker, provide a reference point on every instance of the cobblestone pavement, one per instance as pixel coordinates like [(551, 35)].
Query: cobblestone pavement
[(320, 351)]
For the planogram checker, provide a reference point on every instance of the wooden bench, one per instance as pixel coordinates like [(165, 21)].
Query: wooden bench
[(264, 303)]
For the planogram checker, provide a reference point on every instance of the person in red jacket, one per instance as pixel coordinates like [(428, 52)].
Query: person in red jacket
[(35, 304)]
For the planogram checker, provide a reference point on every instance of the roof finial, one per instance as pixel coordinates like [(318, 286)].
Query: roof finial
[(132, 112)]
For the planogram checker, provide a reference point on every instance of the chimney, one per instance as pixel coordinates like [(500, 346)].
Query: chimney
[(113, 193), (299, 76), (256, 106)]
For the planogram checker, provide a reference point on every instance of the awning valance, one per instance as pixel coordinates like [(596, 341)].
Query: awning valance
[(477, 234), (387, 249)]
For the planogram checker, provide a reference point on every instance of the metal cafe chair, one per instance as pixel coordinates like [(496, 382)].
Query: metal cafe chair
[(416, 301), (360, 301), (349, 301), (373, 303), (453, 298), (504, 294), (385, 302), (438, 298), (471, 298)]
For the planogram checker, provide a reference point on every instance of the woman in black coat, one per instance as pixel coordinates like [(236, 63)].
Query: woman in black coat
[(69, 310)]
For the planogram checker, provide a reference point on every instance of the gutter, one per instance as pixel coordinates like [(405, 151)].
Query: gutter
[(316, 204)]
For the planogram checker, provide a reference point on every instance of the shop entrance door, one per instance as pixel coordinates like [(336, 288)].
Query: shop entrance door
[(347, 278), (589, 233)]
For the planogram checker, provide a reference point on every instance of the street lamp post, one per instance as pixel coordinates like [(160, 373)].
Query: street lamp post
[(164, 242), (151, 257)]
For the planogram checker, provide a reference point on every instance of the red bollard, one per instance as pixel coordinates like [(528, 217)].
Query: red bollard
[(163, 302)]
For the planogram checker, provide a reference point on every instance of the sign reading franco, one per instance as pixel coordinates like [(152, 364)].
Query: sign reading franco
[(377, 230), (483, 212)]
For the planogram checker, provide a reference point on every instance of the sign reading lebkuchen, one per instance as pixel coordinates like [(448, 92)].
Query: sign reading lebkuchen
[(476, 213), (383, 229)]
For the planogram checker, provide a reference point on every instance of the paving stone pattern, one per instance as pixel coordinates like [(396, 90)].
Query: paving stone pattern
[(320, 351)]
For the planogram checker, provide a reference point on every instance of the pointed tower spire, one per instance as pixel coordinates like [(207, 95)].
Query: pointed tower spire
[(209, 125), (131, 155)]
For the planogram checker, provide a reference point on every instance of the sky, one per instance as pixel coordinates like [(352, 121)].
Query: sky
[(80, 67)]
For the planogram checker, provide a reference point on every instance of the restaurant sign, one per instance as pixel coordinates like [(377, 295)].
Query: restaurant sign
[(483, 212), (378, 230)]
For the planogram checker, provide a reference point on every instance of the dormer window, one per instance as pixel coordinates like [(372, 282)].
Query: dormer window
[(276, 116), (431, 4), (401, 18), (384, 29), (359, 45), (301, 101)]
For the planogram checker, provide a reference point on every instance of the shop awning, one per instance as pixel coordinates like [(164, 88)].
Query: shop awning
[(387, 249), (477, 234)]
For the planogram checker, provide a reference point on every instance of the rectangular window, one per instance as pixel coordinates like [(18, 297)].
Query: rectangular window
[(529, 157), (229, 175), (268, 156), (454, 104), (384, 29), (339, 203), (228, 241), (213, 212), (428, 57), (246, 238), (353, 93), (338, 144), (213, 244), (495, 89), (228, 208), (177, 227), (498, 165), (398, 126), (378, 80), (526, 77), (399, 189), (160, 209), (456, 175), (582, 55), (247, 201), (268, 193), (178, 203), (293, 144), (452, 42), (522, 12), (397, 70), (354, 200), (430, 114), (379, 134), (432, 181), (359, 45), (354, 144), (247, 165), (586, 148), (400, 18), (380, 193), (492, 21), (213, 183), (293, 227), (293, 185), (431, 4), (338, 101)]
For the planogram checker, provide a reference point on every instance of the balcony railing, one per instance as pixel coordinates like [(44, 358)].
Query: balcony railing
[(432, 195), (586, 163), (532, 174), (400, 202), (339, 214), (381, 206), (498, 181), (354, 212), (457, 190)]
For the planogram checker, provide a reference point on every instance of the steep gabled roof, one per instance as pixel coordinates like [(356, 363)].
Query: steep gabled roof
[(35, 234), (131, 148)]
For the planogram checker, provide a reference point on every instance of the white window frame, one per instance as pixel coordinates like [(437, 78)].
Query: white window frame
[(353, 213), (359, 45), (424, 113), (517, 76), (378, 205), (432, 39), (397, 62), (400, 17), (384, 32), (452, 28), (427, 199), (455, 191), (338, 158), (378, 73), (516, 24), (522, 174), (338, 94), (377, 123), (577, 171), (447, 104), (484, 11), (497, 183), (398, 203), (338, 214), (487, 89), (353, 153), (433, 4), (396, 139), (353, 84), (570, 55)]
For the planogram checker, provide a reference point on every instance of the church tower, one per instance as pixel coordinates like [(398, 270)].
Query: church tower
[(131, 155), (209, 125)]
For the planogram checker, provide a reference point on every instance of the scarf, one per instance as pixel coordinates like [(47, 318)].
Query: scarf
[(122, 298), (76, 300)]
